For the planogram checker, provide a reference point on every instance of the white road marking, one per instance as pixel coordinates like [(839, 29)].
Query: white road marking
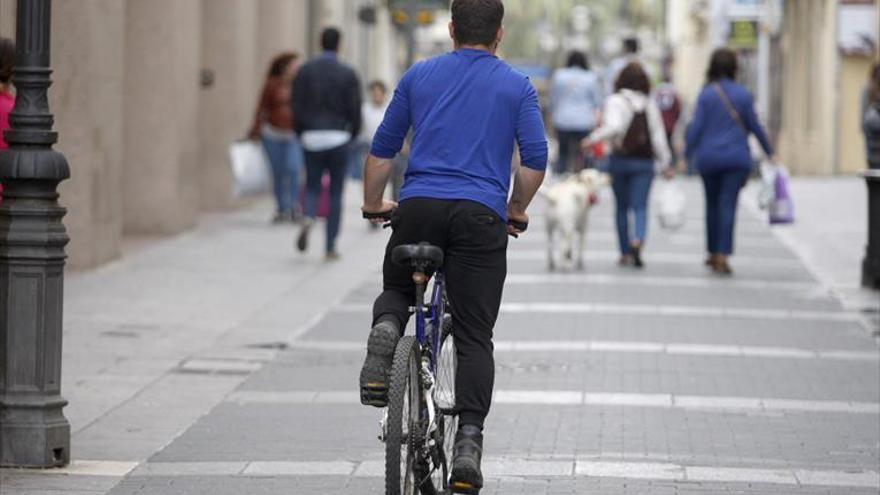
[(631, 470), (647, 280), (91, 468), (787, 262), (708, 403), (749, 239), (289, 468), (650, 310), (740, 475), (213, 365), (632, 347), (502, 467), (216, 468)]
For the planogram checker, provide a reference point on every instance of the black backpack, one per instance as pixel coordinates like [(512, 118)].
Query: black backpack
[(637, 141)]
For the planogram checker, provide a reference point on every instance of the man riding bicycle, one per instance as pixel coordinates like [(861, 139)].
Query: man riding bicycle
[(466, 109)]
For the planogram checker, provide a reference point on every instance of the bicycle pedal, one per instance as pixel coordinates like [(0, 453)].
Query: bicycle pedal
[(463, 488)]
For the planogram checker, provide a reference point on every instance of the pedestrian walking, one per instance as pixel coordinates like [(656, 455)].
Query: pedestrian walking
[(717, 142), (466, 108), (327, 104), (7, 99), (575, 101), (632, 124), (372, 112), (669, 103), (629, 53), (273, 125)]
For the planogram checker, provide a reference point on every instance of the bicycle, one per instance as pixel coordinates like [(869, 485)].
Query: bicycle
[(418, 425)]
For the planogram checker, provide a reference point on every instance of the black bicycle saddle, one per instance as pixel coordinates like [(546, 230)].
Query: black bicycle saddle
[(422, 255)]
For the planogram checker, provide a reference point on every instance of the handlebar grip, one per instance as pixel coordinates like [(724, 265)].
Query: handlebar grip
[(383, 215), (520, 226)]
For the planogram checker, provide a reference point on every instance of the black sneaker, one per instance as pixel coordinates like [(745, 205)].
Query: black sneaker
[(466, 478), (636, 252), (380, 353), (302, 242)]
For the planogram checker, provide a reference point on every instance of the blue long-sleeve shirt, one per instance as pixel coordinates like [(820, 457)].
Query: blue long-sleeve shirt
[(714, 139), (466, 109)]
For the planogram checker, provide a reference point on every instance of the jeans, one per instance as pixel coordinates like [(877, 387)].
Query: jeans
[(474, 241), (569, 151), (631, 181), (335, 162), (722, 193), (285, 159)]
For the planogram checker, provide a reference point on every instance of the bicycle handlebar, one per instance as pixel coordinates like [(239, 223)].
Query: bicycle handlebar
[(520, 226), (382, 215)]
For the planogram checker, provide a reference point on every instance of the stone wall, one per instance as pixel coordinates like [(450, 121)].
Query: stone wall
[(146, 141)]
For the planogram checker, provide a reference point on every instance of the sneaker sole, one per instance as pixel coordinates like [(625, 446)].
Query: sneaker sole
[(374, 374), (464, 480)]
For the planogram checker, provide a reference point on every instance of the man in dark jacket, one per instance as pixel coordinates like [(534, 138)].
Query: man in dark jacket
[(326, 104)]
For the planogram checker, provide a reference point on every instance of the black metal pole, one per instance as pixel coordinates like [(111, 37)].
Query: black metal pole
[(871, 262), (33, 429)]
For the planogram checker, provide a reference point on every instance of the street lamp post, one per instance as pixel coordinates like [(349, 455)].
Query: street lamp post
[(871, 262), (33, 429)]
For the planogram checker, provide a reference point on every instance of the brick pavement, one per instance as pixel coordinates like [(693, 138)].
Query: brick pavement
[(663, 381)]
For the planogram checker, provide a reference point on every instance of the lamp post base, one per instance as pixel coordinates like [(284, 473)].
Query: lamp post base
[(33, 433)]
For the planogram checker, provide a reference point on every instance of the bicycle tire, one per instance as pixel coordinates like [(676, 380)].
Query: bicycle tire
[(444, 399), (403, 423)]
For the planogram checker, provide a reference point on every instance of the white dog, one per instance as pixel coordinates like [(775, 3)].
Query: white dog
[(568, 204)]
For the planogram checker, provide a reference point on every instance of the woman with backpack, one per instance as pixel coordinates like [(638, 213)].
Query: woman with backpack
[(717, 141), (632, 124)]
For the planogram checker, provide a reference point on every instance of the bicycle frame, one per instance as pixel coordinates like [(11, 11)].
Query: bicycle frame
[(433, 313)]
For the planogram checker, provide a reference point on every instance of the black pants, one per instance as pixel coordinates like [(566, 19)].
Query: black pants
[(474, 242), (570, 157), (335, 162)]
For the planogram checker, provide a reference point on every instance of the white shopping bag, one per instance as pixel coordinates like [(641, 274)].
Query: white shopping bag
[(670, 204), (250, 168), (767, 191)]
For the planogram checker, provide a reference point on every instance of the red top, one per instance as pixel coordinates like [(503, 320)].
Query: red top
[(274, 106), (7, 101)]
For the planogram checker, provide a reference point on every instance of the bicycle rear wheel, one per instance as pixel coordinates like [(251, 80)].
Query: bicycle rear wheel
[(444, 399), (403, 426)]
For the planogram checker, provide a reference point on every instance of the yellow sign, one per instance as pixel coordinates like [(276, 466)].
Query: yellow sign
[(743, 34), (423, 17)]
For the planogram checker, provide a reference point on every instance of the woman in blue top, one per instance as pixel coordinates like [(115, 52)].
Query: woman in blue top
[(575, 100), (717, 142)]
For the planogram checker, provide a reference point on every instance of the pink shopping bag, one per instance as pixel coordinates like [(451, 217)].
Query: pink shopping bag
[(323, 198)]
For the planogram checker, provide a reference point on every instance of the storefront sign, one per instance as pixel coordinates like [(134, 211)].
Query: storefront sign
[(743, 35), (857, 24)]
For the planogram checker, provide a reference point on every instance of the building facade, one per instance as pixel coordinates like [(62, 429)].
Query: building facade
[(807, 84), (149, 94)]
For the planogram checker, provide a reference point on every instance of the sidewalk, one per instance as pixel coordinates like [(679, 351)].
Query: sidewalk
[(222, 362)]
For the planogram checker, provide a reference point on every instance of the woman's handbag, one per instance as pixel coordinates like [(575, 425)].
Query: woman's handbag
[(250, 168), (782, 207)]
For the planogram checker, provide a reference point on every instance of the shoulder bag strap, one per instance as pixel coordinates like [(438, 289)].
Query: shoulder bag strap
[(730, 108)]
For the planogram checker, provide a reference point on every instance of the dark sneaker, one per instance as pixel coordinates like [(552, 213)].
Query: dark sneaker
[(636, 253), (380, 353), (466, 478), (302, 242)]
